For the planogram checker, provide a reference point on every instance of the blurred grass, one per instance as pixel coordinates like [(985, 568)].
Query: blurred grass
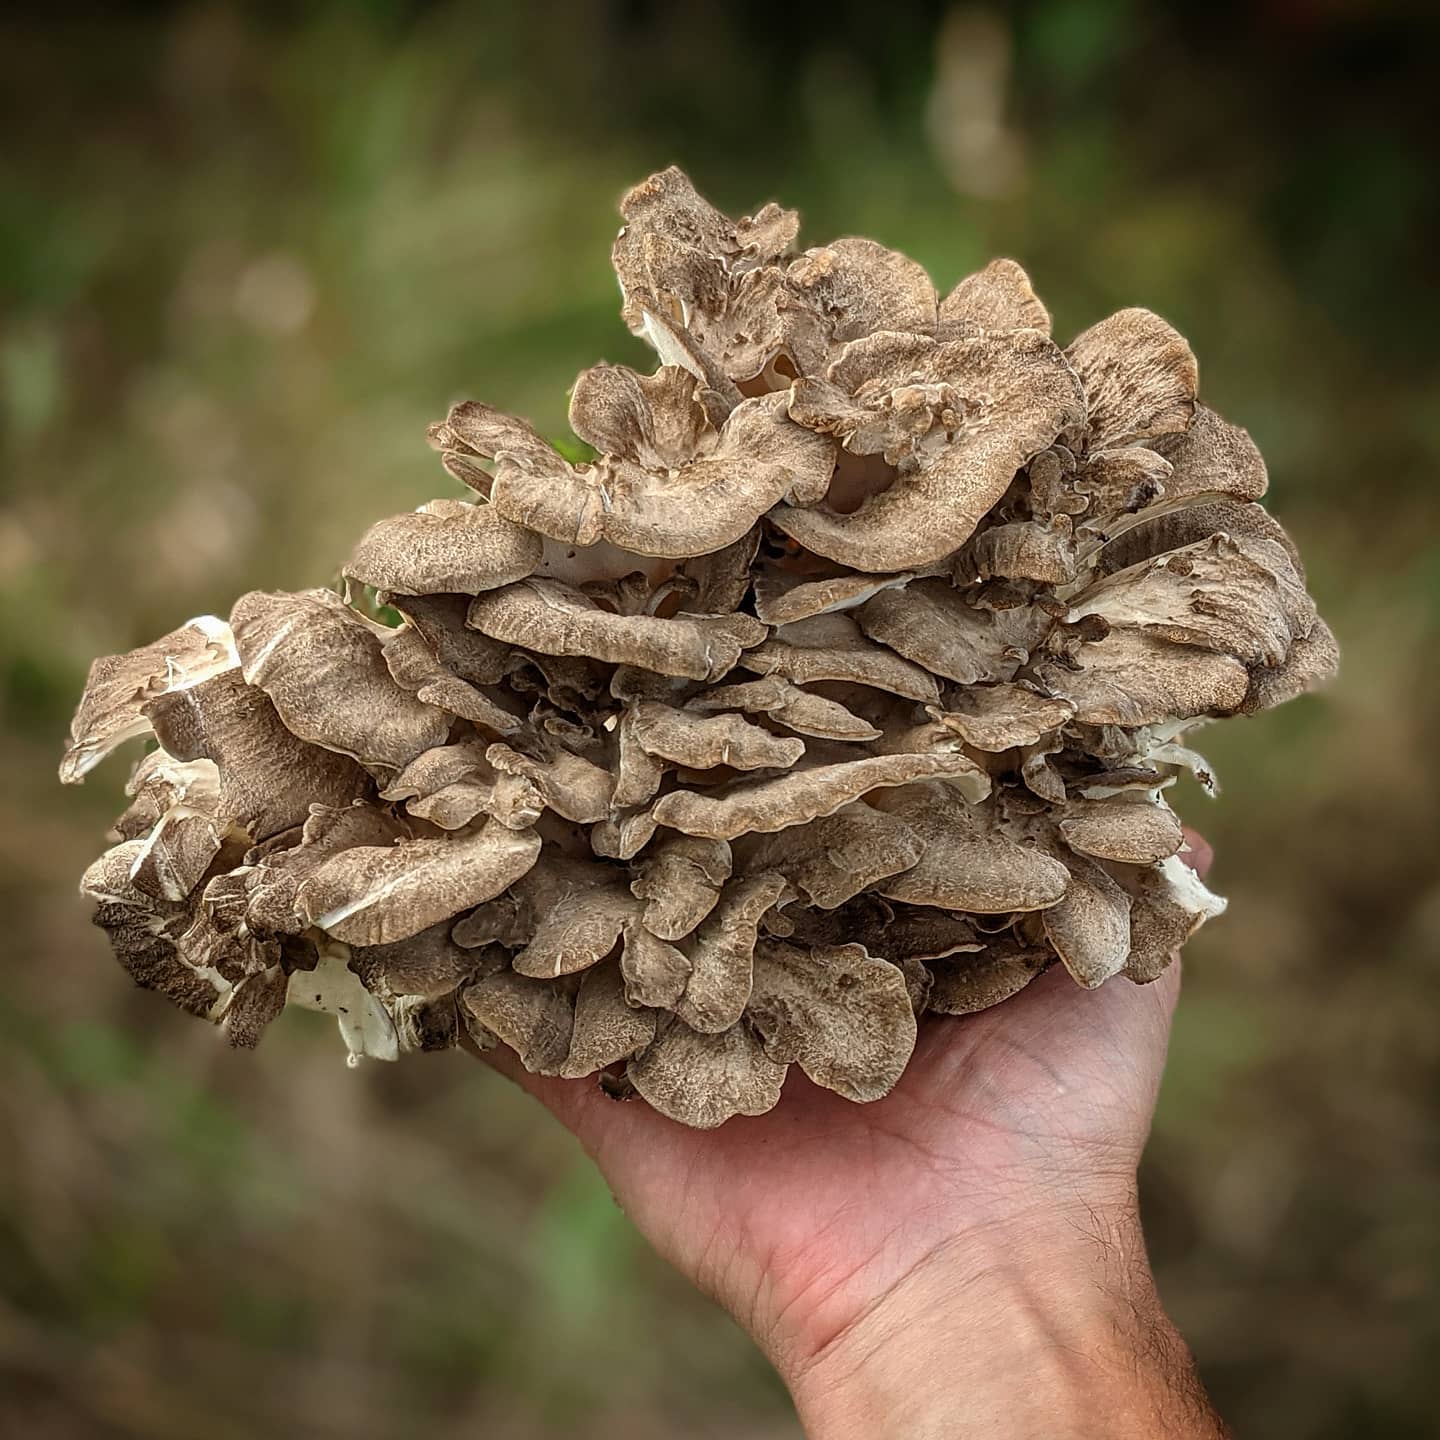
[(245, 256)]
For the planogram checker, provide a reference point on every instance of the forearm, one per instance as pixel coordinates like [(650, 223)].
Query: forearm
[(1056, 1336)]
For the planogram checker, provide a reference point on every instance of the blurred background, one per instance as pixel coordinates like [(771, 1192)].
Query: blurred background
[(247, 252)]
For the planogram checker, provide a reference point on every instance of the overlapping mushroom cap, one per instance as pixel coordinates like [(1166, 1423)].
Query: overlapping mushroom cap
[(844, 686)]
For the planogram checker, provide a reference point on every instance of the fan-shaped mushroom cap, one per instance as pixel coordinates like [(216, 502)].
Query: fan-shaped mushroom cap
[(832, 647), (453, 784), (1313, 659), (1135, 832), (676, 252), (447, 546), (324, 671), (160, 781), (1212, 457), (720, 958), (680, 881), (624, 837), (932, 624), (638, 773), (465, 653), (268, 777), (429, 964), (552, 618), (969, 861), (119, 687), (844, 1017), (784, 596), (1139, 376), (654, 971), (570, 785), (1000, 717), (848, 290), (759, 457), (763, 806), (1039, 550), (472, 432), (254, 1002), (1168, 903), (655, 420), (108, 878), (1089, 925), (1165, 527), (1129, 677), (966, 984), (511, 917), (999, 297), (269, 884), (703, 1080), (373, 895), (536, 1020), (176, 853), (833, 859), (669, 483), (146, 948), (1236, 597), (414, 667), (961, 417), (578, 929), (607, 1028), (788, 705), (704, 742)]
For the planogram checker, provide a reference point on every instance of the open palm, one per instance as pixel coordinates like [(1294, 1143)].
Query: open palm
[(799, 1220)]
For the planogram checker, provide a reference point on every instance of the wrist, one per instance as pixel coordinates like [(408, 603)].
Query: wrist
[(1051, 1326)]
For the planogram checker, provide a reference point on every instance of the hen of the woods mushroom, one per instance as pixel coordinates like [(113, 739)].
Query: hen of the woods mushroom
[(842, 686)]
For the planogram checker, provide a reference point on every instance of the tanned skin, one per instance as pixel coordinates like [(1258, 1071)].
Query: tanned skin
[(961, 1258)]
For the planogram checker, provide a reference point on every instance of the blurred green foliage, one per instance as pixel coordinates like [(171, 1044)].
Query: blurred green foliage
[(246, 253)]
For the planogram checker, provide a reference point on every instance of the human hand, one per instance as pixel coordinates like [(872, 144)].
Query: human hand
[(964, 1251)]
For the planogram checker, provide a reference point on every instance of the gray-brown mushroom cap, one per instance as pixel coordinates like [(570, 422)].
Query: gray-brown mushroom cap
[(704, 1080), (961, 417), (375, 895), (776, 804), (446, 547), (846, 684), (675, 244), (558, 620), (1000, 717), (607, 1028), (675, 486), (835, 858), (268, 777), (1140, 378), (324, 670), (1089, 926), (971, 862), (833, 647), (843, 1017), (718, 986), (789, 705), (999, 297), (931, 624), (118, 688), (679, 880)]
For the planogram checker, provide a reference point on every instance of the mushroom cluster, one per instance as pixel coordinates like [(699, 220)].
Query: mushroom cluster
[(842, 685)]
